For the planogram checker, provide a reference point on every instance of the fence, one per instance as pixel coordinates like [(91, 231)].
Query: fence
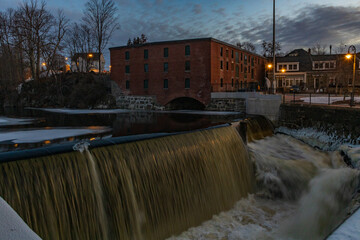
[(348, 99)]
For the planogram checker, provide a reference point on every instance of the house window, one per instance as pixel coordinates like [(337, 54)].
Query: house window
[(332, 65), (166, 52), (187, 50), (290, 66), (187, 65), (166, 67), (146, 67), (127, 55), (221, 64), (166, 83), (227, 65), (146, 84), (327, 65), (221, 51), (187, 82), (295, 67), (316, 65), (146, 54), (127, 83), (221, 82), (280, 67), (127, 68)]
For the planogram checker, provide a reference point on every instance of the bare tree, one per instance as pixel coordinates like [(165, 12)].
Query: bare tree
[(318, 49), (137, 40), (268, 48), (100, 16), (247, 46), (341, 48)]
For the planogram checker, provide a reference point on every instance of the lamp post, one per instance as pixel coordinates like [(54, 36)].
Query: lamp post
[(267, 68), (348, 56)]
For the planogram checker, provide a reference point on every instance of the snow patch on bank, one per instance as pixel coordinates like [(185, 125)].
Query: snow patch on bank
[(325, 100), (39, 135), (83, 111)]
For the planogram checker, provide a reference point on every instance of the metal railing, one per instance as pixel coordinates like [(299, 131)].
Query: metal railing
[(345, 99)]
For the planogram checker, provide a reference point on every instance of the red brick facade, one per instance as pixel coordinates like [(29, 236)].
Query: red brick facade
[(193, 69)]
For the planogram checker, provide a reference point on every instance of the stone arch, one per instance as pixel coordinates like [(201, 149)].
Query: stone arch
[(185, 103)]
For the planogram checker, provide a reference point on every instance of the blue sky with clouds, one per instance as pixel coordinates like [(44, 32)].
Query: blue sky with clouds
[(300, 24)]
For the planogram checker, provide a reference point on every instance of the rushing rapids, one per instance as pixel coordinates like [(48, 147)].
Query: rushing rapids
[(276, 187)]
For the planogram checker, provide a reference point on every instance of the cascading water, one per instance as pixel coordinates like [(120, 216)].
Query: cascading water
[(302, 193), (148, 189)]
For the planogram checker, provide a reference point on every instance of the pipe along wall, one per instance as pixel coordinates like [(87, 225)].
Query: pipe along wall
[(149, 189)]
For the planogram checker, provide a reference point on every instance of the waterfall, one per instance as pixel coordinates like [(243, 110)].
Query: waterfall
[(148, 189)]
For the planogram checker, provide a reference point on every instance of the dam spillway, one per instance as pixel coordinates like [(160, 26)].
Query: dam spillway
[(150, 189)]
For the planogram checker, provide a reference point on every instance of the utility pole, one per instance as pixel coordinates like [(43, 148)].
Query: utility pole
[(274, 65)]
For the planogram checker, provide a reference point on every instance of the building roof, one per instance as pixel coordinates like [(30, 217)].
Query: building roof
[(185, 41)]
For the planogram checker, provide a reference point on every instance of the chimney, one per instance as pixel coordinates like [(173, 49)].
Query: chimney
[(309, 50), (330, 49)]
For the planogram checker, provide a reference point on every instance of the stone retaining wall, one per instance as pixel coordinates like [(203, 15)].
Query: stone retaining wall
[(227, 104), (138, 103), (338, 120)]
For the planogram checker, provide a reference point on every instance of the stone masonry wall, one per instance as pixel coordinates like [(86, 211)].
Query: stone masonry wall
[(338, 120), (138, 103), (227, 104)]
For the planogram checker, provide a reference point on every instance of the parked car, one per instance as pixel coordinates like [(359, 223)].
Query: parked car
[(294, 89)]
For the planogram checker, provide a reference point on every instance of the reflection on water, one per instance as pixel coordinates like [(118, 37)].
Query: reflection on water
[(122, 124)]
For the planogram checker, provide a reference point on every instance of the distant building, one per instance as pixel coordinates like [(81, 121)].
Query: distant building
[(313, 72), (87, 62), (191, 68)]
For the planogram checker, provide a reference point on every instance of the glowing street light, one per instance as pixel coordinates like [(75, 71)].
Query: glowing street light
[(283, 70), (269, 66), (90, 55), (44, 64), (348, 56)]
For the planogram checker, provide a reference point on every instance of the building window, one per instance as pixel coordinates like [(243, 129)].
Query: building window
[(227, 53), (187, 65), (237, 71), (290, 66), (232, 53), (187, 82), (166, 83), (232, 82), (146, 84), (166, 67), (127, 55), (295, 67), (187, 50), (332, 65), (227, 65), (280, 67), (221, 51), (127, 68), (127, 83), (241, 57), (236, 57), (146, 67), (327, 65), (221, 82), (252, 61), (166, 52), (245, 58), (242, 68), (252, 73), (221, 65), (146, 54)]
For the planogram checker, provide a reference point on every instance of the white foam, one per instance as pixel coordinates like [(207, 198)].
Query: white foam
[(39, 135)]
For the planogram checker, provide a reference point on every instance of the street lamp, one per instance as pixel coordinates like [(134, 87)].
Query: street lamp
[(283, 70), (348, 56), (90, 55)]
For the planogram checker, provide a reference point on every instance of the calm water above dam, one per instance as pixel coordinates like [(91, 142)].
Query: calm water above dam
[(29, 128)]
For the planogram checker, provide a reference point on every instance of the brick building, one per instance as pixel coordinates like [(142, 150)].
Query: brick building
[(185, 69)]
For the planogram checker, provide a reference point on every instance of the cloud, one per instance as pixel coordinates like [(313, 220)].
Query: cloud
[(197, 9), (220, 11)]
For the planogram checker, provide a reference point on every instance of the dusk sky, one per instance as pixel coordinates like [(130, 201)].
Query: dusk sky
[(300, 24)]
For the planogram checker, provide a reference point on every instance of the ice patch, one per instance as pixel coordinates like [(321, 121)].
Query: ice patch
[(349, 230), (39, 135), (83, 111), (6, 121)]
